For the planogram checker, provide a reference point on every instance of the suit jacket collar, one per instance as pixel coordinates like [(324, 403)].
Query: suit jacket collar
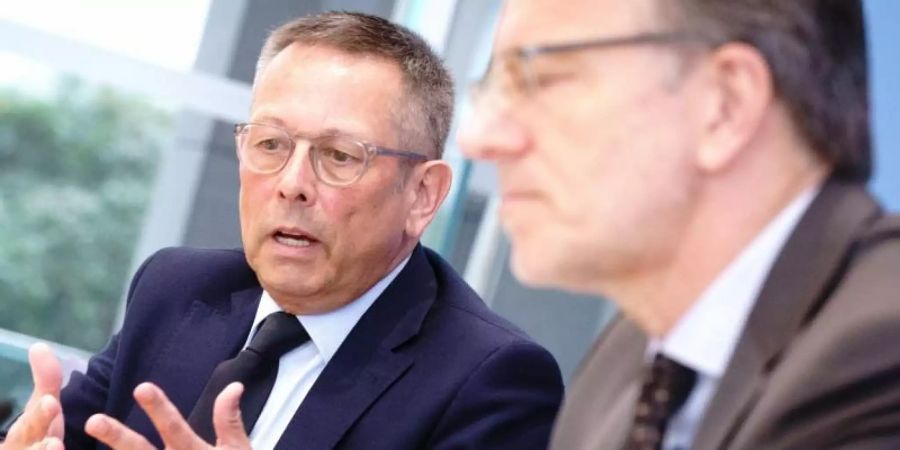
[(369, 360), (620, 358), (363, 367), (799, 282)]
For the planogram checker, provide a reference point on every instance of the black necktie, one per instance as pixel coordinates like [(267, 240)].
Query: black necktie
[(667, 385), (256, 367)]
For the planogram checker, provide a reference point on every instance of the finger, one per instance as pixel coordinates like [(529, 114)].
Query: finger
[(47, 444), (45, 370), (33, 426), (114, 434), (57, 427), (173, 429), (43, 406), (227, 420), (54, 443)]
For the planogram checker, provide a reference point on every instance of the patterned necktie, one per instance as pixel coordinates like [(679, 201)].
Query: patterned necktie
[(256, 367), (667, 385)]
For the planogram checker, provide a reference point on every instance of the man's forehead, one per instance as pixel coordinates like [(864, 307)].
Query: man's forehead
[(541, 22), (314, 90), (311, 124), (298, 57)]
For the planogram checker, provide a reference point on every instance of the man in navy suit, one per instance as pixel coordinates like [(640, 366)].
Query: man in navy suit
[(368, 340)]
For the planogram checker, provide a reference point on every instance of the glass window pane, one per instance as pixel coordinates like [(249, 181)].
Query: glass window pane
[(77, 166), (129, 28)]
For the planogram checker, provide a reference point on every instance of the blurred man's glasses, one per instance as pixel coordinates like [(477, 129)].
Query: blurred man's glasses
[(337, 160), (516, 73)]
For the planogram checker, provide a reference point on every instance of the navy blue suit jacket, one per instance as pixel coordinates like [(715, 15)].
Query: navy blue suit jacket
[(427, 366)]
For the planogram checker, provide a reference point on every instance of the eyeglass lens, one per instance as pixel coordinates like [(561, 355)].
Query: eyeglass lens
[(335, 159)]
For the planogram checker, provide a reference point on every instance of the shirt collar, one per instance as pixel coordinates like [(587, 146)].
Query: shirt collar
[(327, 331), (706, 335)]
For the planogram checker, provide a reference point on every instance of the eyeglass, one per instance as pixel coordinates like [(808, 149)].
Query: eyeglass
[(512, 73), (337, 160)]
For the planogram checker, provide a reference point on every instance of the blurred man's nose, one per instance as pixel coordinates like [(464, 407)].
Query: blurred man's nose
[(492, 135)]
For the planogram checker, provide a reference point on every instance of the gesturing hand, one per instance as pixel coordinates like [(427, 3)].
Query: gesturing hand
[(173, 429), (41, 424)]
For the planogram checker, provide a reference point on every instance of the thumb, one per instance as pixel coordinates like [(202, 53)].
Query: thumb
[(227, 421), (45, 371)]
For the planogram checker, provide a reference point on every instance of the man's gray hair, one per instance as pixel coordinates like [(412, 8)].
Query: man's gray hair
[(816, 52), (423, 114)]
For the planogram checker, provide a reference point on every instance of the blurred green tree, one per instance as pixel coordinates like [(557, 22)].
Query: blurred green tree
[(76, 172)]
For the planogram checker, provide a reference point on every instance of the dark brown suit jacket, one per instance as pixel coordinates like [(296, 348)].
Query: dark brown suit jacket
[(817, 366)]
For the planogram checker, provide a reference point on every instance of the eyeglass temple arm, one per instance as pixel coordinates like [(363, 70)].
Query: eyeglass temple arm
[(399, 153), (644, 38)]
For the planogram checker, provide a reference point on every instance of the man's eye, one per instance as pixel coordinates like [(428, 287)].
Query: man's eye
[(270, 145), (336, 156), (551, 78)]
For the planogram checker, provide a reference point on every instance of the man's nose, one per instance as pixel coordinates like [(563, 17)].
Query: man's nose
[(492, 135), (297, 181)]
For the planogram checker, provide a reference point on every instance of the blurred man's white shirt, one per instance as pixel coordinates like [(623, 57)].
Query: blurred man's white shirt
[(705, 337)]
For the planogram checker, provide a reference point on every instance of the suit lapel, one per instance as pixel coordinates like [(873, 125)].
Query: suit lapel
[(599, 407), (798, 283), (627, 345), (368, 361), (205, 337)]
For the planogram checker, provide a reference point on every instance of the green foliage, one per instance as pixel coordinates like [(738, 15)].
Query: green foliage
[(76, 172)]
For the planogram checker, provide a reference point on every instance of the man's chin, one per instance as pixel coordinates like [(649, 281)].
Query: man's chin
[(289, 284), (532, 270), (294, 299), (545, 268)]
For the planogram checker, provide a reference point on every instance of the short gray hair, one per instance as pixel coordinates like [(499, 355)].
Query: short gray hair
[(424, 113)]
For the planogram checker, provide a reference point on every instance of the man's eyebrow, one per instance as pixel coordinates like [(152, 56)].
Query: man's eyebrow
[(327, 132), (338, 132), (268, 120)]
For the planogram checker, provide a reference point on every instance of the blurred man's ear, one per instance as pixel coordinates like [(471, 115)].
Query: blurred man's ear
[(738, 89), (428, 186)]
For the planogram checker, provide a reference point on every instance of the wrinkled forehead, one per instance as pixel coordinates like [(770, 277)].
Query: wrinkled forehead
[(542, 22)]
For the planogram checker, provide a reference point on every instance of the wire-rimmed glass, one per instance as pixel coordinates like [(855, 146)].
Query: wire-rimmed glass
[(511, 74)]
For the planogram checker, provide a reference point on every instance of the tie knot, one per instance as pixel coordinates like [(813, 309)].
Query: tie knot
[(677, 381), (667, 385), (278, 334)]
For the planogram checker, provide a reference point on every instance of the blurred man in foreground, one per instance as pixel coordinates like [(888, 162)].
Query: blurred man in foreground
[(333, 327), (702, 163)]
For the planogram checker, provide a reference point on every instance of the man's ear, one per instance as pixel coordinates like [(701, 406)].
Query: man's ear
[(739, 91), (430, 183)]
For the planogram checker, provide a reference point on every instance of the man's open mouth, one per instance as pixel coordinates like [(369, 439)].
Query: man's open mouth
[(294, 240)]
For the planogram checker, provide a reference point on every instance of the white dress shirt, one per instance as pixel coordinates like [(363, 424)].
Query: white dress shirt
[(298, 369), (705, 337)]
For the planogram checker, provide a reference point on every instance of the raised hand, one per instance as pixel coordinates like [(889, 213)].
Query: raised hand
[(173, 429), (41, 424)]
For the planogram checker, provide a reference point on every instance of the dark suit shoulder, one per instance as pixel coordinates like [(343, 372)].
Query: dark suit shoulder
[(847, 349), (868, 292), (489, 384), (195, 272), (869, 286), (165, 291), (458, 303), (881, 232)]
